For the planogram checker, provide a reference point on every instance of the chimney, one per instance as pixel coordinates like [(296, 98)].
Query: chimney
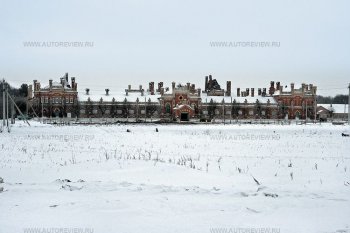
[(259, 91), (50, 84), (228, 88), (303, 87), (188, 86), (30, 91), (247, 91), (264, 92), (173, 85), (210, 78), (107, 91), (199, 92), (140, 87), (278, 84), (238, 92), (311, 86), (193, 87), (292, 87), (36, 85), (272, 88), (206, 83), (129, 87), (151, 88), (66, 76), (162, 90), (87, 90), (72, 82), (160, 85), (252, 89)]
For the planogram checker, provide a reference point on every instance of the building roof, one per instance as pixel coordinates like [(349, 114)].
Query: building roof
[(240, 99), (337, 108), (118, 96)]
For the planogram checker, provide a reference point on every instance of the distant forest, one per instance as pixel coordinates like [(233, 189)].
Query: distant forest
[(338, 99), (20, 92)]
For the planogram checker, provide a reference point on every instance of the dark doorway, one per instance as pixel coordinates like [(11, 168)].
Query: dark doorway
[(184, 116)]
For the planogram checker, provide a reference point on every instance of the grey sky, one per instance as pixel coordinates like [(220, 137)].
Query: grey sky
[(140, 41)]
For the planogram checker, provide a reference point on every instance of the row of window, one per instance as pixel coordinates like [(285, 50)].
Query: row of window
[(240, 112), (57, 100), (95, 111)]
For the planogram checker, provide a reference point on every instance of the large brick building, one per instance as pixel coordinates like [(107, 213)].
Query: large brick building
[(293, 102), (178, 102), (58, 99)]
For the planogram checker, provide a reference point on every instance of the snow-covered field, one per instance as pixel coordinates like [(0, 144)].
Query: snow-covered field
[(184, 178)]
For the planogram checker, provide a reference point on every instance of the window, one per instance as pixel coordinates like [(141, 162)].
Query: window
[(167, 108), (67, 100), (251, 112), (71, 100), (46, 99), (42, 99)]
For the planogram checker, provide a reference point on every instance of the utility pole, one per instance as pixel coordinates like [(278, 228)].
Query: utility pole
[(7, 106), (315, 107), (42, 110), (306, 112), (19, 110), (223, 110), (231, 111), (349, 105), (3, 102), (145, 110)]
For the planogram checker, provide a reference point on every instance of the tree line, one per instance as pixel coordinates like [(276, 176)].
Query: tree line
[(338, 99), (22, 91)]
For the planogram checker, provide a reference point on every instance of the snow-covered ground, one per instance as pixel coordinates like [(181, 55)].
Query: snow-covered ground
[(184, 178)]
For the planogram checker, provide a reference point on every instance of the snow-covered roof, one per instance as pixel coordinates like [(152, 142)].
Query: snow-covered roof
[(182, 106), (337, 108), (119, 96), (239, 99), (58, 85)]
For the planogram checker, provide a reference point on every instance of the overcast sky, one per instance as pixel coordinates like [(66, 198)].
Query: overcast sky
[(135, 42)]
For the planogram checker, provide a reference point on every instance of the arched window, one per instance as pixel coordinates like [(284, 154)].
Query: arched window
[(167, 108)]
